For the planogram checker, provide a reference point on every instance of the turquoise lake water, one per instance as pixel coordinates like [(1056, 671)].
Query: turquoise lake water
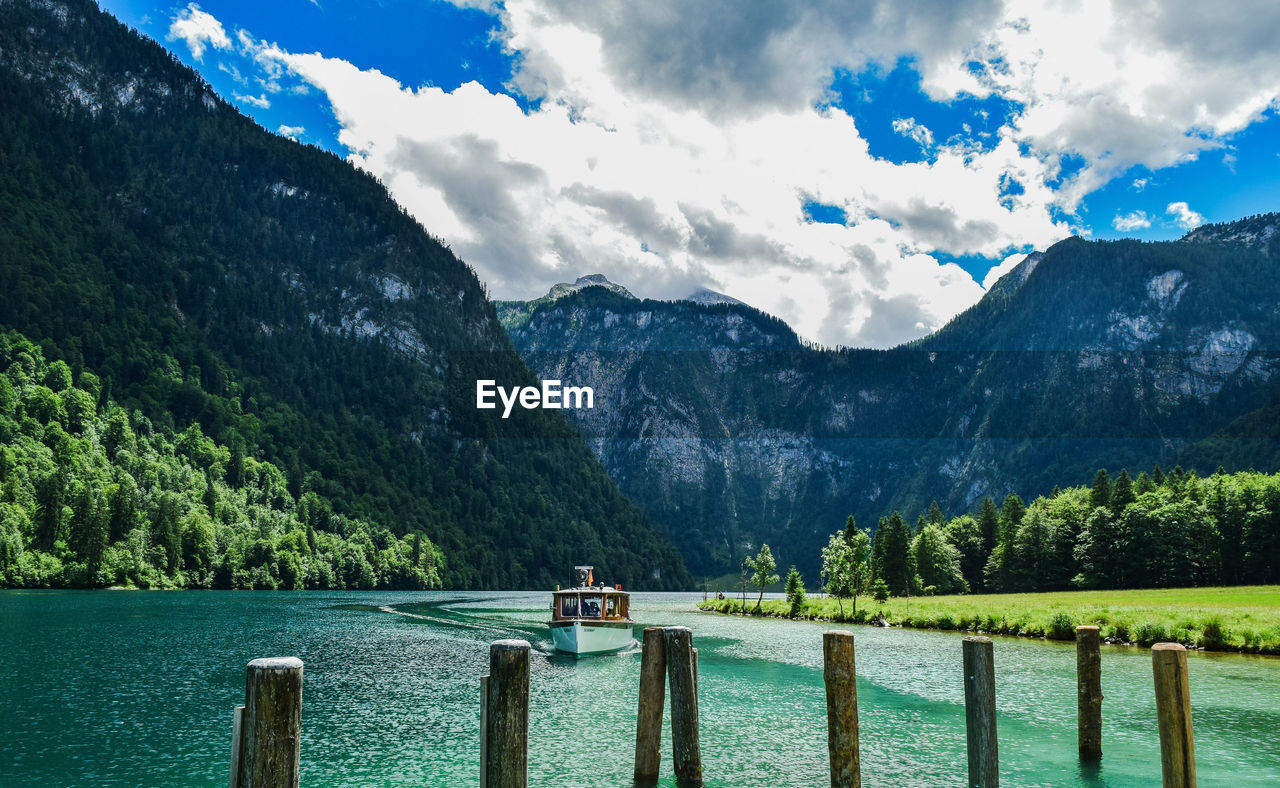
[(137, 688)]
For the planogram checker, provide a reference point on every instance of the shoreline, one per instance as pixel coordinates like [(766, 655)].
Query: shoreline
[(1206, 632)]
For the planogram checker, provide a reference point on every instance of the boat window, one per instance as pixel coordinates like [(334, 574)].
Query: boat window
[(611, 606), (569, 606), (591, 607)]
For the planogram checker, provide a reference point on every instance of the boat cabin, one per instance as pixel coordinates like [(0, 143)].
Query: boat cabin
[(598, 602)]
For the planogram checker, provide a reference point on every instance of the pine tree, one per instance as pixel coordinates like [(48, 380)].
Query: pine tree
[(988, 526), (1121, 493), (795, 592), (934, 515), (897, 564), (1101, 495)]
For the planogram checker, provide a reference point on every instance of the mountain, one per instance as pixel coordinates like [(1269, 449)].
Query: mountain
[(729, 431), (212, 273)]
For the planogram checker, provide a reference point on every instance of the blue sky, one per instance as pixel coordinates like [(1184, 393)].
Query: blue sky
[(861, 180)]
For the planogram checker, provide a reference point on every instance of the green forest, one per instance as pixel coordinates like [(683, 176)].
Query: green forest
[(93, 495), (1159, 530)]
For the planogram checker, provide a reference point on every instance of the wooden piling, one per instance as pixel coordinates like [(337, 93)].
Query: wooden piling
[(840, 676), (271, 728), (653, 687), (484, 731), (1088, 693), (685, 747), (980, 712), (506, 734), (237, 738), (1173, 710)]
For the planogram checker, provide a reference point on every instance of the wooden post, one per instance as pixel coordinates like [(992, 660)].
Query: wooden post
[(1088, 693), (484, 731), (237, 737), (653, 688), (1173, 709), (840, 676), (980, 712), (694, 656), (685, 748), (271, 731), (507, 715)]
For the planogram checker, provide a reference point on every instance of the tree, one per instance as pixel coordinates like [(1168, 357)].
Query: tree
[(896, 563), (1032, 556), (845, 564), (934, 515), (795, 592), (1121, 493), (1101, 489), (938, 561), (962, 532), (880, 591), (988, 526), (762, 568)]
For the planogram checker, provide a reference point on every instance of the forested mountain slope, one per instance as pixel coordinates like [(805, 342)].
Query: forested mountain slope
[(731, 432), (213, 273)]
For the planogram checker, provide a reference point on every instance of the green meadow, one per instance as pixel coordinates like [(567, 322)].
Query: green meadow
[(1236, 618)]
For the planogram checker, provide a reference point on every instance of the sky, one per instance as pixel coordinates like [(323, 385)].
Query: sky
[(863, 169)]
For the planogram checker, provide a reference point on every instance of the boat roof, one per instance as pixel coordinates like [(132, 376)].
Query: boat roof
[(591, 590)]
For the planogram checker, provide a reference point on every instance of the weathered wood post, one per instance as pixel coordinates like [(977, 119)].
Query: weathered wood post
[(685, 748), (237, 738), (653, 688), (484, 732), (271, 724), (1088, 693), (1173, 709), (506, 733), (840, 676), (980, 712)]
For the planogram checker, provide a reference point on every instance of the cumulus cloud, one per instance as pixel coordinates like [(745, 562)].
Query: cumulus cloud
[(292, 132), (1128, 222), (675, 145), (1007, 265), (1183, 216), (199, 30)]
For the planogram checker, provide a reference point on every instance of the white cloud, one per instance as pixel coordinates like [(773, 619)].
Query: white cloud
[(674, 146), (199, 30), (1136, 220), (1139, 184), (292, 132), (908, 127), (261, 102), (1183, 216), (1006, 265)]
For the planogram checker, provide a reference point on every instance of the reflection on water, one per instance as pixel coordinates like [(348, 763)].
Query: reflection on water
[(125, 689)]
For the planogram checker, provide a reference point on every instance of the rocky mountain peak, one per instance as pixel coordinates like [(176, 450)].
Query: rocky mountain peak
[(707, 297), (590, 280)]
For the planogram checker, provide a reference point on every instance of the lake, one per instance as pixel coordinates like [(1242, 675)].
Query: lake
[(136, 688)]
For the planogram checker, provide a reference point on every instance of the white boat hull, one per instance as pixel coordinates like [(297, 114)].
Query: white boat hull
[(580, 637)]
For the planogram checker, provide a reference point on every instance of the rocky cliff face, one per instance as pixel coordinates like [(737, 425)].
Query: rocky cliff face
[(729, 431)]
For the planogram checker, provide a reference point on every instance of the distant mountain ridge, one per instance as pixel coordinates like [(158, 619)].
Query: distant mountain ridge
[(729, 431)]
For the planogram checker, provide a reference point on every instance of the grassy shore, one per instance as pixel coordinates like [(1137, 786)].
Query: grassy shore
[(1239, 618)]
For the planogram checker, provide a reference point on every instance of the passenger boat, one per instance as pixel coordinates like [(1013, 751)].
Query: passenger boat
[(590, 619)]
